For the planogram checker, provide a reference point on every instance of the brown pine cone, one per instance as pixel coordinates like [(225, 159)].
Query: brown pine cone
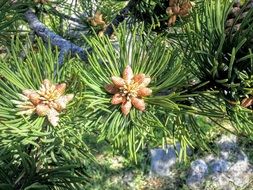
[(238, 10)]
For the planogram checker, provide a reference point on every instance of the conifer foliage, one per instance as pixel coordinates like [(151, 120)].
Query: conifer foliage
[(136, 75)]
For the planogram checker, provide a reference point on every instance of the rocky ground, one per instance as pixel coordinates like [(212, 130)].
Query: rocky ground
[(229, 169)]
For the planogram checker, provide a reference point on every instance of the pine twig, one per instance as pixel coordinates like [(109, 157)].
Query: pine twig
[(47, 35), (66, 46), (54, 11), (123, 14)]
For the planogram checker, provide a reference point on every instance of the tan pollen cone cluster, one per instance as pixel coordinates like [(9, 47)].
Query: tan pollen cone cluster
[(47, 101), (129, 90), (97, 20), (178, 8), (246, 102)]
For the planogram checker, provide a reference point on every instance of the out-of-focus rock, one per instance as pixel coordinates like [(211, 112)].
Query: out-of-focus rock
[(199, 170)]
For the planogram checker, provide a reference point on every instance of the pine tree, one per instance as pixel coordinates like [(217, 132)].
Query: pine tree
[(135, 74)]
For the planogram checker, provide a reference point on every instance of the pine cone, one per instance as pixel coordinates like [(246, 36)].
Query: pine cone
[(178, 8), (238, 10)]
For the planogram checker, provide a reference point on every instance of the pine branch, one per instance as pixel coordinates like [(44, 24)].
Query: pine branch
[(53, 10), (66, 46), (41, 30), (123, 14)]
